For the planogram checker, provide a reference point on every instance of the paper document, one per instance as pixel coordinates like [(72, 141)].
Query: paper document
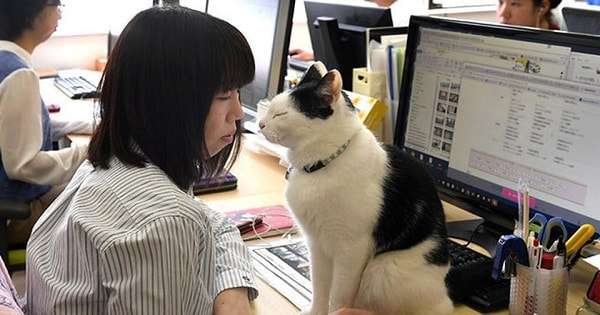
[(285, 266)]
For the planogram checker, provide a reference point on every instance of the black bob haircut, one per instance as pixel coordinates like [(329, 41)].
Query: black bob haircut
[(16, 16), (155, 94)]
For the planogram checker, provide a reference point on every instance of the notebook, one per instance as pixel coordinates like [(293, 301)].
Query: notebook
[(268, 221)]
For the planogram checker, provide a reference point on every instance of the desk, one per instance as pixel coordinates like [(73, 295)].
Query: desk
[(261, 182), (75, 116)]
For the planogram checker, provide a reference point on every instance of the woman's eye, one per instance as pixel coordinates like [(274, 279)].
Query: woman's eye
[(227, 95), (279, 114)]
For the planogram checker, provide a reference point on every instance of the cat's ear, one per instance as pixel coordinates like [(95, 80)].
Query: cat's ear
[(315, 73), (330, 87)]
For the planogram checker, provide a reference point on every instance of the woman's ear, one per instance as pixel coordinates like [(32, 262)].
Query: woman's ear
[(544, 8)]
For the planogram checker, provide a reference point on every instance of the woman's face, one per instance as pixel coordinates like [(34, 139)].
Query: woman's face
[(519, 12), (46, 22), (219, 130)]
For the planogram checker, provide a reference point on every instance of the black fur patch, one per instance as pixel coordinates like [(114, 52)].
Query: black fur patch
[(412, 211), (311, 75), (308, 100)]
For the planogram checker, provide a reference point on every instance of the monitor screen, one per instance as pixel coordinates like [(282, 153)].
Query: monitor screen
[(582, 20), (266, 24), (486, 105)]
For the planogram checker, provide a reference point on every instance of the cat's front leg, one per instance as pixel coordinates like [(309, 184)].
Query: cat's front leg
[(320, 270), (348, 266)]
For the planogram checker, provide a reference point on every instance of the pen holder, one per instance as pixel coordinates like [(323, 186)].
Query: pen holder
[(540, 291)]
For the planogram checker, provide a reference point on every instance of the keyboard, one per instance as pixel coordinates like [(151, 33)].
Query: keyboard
[(76, 87), (299, 65), (469, 280)]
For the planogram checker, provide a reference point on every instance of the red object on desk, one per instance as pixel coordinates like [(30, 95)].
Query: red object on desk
[(593, 292), (274, 220), (53, 108)]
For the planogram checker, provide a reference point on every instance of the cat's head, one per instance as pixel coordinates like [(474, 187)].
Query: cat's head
[(317, 107)]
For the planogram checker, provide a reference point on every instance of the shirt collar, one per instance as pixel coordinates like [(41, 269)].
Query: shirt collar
[(17, 50)]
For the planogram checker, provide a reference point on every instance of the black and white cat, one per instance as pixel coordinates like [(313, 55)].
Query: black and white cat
[(371, 215)]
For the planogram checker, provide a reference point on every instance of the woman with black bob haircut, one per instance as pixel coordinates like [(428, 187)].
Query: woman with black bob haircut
[(126, 236)]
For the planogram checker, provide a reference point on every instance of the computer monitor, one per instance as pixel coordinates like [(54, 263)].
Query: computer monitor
[(267, 26), (483, 106), (580, 20), (337, 33)]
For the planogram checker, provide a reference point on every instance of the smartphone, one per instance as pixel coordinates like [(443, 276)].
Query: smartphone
[(216, 184)]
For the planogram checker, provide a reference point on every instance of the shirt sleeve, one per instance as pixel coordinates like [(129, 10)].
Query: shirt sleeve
[(234, 264), (156, 270), (21, 135)]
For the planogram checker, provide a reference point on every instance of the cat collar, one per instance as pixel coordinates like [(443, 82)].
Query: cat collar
[(313, 167)]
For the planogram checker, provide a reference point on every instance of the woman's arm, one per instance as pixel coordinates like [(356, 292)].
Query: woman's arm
[(234, 264), (21, 135), (232, 301)]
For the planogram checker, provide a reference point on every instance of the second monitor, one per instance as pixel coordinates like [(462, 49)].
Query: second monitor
[(337, 34), (267, 25)]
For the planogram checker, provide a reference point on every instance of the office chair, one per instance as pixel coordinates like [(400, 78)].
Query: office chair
[(12, 210)]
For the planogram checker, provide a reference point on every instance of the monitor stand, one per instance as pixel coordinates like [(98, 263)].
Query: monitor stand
[(479, 231)]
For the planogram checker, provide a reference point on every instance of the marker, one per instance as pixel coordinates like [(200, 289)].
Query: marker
[(579, 238)]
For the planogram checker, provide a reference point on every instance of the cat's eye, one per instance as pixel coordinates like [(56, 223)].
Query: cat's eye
[(279, 114)]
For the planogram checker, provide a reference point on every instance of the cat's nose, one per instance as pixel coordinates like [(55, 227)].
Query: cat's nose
[(261, 124)]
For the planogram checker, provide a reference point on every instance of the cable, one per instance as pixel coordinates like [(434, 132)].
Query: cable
[(473, 234)]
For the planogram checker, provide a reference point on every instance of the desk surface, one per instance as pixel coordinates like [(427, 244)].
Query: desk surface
[(261, 182)]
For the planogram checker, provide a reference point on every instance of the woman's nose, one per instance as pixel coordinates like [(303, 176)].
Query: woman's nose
[(237, 111), (503, 13)]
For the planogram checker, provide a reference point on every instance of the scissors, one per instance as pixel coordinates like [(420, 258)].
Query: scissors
[(553, 230)]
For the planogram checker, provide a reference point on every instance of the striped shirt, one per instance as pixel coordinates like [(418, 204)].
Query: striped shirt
[(128, 241)]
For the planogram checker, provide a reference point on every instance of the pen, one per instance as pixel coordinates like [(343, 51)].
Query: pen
[(536, 255), (525, 210), (559, 259), (519, 226)]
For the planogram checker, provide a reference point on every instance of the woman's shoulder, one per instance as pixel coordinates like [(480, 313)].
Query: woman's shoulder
[(124, 200)]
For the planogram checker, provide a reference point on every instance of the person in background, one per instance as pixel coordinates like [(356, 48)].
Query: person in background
[(532, 13), (30, 170)]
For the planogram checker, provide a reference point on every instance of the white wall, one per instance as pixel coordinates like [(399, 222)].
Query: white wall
[(65, 52)]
